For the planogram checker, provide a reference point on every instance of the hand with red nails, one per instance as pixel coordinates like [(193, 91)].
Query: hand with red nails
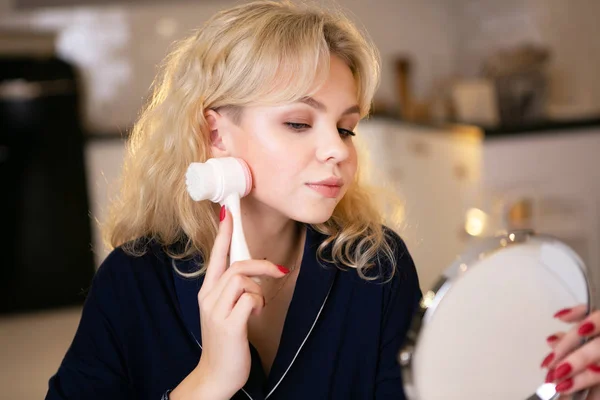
[(227, 299), (571, 365)]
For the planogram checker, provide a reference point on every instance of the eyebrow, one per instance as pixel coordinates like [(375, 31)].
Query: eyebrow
[(355, 109)]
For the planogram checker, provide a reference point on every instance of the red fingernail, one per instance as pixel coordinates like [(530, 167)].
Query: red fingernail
[(586, 329), (550, 376), (283, 269), (562, 370), (594, 367), (565, 385), (547, 360), (552, 338), (222, 213), (562, 312)]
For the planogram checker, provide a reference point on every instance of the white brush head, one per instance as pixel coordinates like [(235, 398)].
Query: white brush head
[(217, 178)]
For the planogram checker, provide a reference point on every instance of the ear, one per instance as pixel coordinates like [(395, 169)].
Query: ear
[(218, 133)]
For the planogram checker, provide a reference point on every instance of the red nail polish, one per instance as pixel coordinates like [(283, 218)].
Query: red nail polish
[(594, 367), (586, 329), (222, 213), (552, 338), (550, 376), (547, 360), (562, 312), (562, 370), (565, 385), (283, 269)]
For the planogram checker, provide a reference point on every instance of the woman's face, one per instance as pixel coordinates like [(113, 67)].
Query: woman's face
[(301, 155)]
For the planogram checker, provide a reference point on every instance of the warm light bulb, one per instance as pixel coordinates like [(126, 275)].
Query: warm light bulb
[(475, 222)]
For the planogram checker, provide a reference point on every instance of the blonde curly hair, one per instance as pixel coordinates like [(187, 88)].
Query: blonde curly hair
[(237, 59)]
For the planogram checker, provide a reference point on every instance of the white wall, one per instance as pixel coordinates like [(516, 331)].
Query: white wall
[(118, 47), (435, 173), (568, 28), (560, 173)]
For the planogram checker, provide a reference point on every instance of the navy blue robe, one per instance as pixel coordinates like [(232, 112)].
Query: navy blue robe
[(139, 333)]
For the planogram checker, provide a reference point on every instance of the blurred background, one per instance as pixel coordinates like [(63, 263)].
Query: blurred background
[(487, 119)]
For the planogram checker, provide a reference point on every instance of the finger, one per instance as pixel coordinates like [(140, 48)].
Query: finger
[(236, 286), (251, 268), (218, 256), (573, 314), (573, 339), (590, 326), (586, 329), (570, 341), (246, 305), (585, 380), (554, 339), (581, 361)]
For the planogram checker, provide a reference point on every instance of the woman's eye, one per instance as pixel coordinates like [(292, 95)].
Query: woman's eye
[(297, 126), (345, 132), (300, 126)]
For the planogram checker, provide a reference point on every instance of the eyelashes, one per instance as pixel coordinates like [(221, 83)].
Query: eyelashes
[(301, 127), (346, 132), (297, 126)]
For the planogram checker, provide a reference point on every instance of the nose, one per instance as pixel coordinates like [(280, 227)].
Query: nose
[(331, 148)]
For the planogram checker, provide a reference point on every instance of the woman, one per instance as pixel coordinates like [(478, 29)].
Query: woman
[(283, 87)]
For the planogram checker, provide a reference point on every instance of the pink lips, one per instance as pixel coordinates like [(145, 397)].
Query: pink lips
[(329, 187)]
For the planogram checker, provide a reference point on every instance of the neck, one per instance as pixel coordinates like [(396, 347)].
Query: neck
[(271, 235)]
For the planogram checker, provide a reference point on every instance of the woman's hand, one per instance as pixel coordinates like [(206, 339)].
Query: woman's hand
[(572, 366), (227, 299)]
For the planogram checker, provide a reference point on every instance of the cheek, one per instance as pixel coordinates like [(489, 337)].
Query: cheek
[(273, 165), (352, 162), (271, 173)]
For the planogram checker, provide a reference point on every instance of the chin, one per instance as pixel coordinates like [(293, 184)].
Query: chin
[(313, 216)]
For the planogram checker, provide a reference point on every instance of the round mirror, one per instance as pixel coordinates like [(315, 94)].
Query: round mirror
[(480, 332)]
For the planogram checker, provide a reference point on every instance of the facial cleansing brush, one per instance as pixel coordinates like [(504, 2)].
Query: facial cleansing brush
[(223, 180)]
